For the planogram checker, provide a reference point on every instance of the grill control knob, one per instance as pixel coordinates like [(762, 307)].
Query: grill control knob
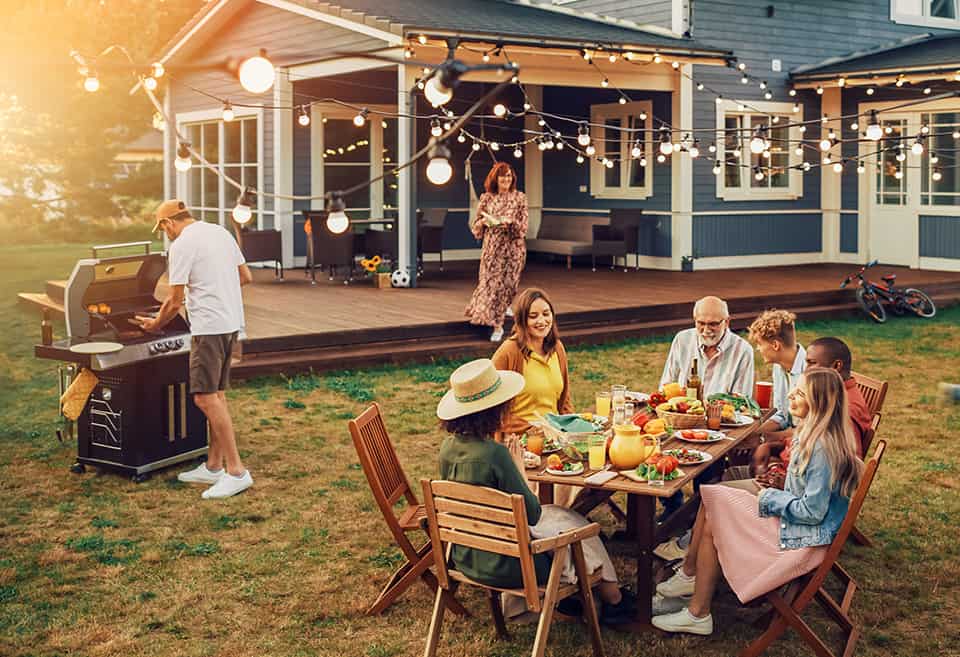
[(152, 348), (179, 343)]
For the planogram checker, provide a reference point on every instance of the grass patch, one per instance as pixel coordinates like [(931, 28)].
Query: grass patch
[(106, 551)]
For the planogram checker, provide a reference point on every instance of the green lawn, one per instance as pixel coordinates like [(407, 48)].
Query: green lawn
[(96, 565)]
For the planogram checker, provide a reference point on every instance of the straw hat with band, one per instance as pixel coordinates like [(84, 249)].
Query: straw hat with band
[(171, 210), (477, 386)]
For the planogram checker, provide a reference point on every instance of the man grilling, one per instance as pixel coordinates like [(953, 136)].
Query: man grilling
[(207, 268)]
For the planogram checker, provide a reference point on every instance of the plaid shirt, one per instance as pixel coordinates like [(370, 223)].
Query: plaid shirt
[(729, 370)]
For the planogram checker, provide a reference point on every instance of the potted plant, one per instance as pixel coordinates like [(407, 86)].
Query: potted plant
[(686, 263), (377, 269)]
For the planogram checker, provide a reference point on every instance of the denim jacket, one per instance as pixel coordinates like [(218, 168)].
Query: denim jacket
[(810, 511)]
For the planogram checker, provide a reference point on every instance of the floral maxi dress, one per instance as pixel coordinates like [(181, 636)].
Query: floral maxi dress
[(502, 258)]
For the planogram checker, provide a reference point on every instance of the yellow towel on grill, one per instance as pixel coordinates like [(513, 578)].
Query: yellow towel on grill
[(75, 397)]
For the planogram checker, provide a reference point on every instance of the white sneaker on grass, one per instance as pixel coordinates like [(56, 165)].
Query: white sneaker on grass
[(684, 621), (200, 475), (678, 586), (662, 605), (228, 485)]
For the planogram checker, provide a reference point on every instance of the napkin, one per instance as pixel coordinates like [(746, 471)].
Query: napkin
[(571, 423)]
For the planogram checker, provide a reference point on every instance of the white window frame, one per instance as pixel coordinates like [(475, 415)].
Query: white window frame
[(184, 119), (599, 114), (794, 189), (897, 15)]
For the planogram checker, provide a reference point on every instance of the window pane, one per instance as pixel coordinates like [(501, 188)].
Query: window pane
[(943, 9), (909, 7), (890, 189), (231, 142), (343, 177), (731, 144), (230, 192), (249, 176), (637, 176), (211, 193), (211, 142), (344, 142), (249, 141), (391, 182), (193, 134), (193, 187), (612, 150)]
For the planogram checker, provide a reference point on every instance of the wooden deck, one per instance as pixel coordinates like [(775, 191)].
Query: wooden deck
[(293, 325)]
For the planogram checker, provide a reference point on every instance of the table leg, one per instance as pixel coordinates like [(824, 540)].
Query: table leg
[(546, 493), (643, 517)]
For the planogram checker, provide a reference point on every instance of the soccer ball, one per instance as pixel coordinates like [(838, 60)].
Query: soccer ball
[(400, 278)]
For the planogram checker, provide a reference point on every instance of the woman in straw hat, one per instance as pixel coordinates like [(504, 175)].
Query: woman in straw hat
[(472, 411)]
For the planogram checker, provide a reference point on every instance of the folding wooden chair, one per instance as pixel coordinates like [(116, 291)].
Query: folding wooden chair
[(389, 484), (490, 520), (874, 391), (858, 536), (787, 608)]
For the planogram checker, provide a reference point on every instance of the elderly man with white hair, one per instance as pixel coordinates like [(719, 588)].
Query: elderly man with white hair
[(724, 359)]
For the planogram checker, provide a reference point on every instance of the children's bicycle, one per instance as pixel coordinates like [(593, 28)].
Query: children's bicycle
[(872, 297)]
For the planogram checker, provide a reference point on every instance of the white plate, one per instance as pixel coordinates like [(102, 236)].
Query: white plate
[(740, 421), (639, 396), (713, 436), (705, 456), (96, 348), (564, 473)]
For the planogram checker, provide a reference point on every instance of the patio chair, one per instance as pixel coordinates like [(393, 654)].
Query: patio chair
[(389, 484), (874, 391), (261, 246), (328, 249), (430, 230), (617, 239), (494, 521), (788, 608), (858, 536)]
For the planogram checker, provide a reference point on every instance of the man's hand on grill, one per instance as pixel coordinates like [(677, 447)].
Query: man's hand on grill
[(148, 324)]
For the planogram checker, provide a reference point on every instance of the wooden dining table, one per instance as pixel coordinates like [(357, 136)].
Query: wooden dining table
[(642, 527)]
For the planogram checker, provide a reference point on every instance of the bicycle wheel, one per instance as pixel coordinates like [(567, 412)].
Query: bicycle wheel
[(919, 302), (871, 305)]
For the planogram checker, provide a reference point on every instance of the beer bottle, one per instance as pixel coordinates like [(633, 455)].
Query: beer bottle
[(46, 329), (694, 385)]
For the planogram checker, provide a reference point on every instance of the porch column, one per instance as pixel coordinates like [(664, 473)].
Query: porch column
[(681, 170), (533, 164), (831, 199), (406, 198), (283, 162)]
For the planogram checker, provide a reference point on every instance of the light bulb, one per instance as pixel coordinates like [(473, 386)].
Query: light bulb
[(182, 164), (802, 128), (605, 83), (157, 70), (590, 150), (694, 151), (712, 148), (719, 100), (792, 92), (242, 212), (934, 158), (926, 91), (842, 82), (439, 170), (874, 130), (827, 160), (636, 151), (767, 95), (741, 66), (256, 74), (476, 146), (612, 58), (758, 144), (461, 138), (150, 83), (796, 107), (559, 145), (736, 152), (436, 92), (518, 152), (937, 176), (583, 138), (643, 116), (579, 159), (661, 158), (666, 147), (901, 156), (422, 39), (338, 222), (870, 91), (825, 144), (917, 148), (500, 110), (956, 134), (486, 57), (744, 79), (622, 100), (766, 155), (158, 121), (861, 168), (854, 126), (838, 167), (763, 84), (819, 91), (758, 175), (898, 174), (408, 53), (699, 86), (494, 146), (806, 166), (798, 150), (435, 128), (526, 107), (925, 129), (303, 119), (91, 83), (643, 161), (716, 168), (360, 119), (608, 164), (657, 59), (227, 113)]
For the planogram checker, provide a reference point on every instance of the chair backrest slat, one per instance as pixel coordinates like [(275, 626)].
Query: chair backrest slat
[(378, 457), (476, 510), (836, 547), (870, 433), (471, 525), (873, 390), (468, 493), (479, 542)]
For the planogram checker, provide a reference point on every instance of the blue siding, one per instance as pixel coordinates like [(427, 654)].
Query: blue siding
[(722, 235), (939, 237), (849, 229)]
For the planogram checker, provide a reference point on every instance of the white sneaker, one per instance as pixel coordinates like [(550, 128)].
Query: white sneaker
[(509, 311), (200, 475), (497, 335), (228, 485), (684, 621), (670, 550), (678, 586), (662, 605)]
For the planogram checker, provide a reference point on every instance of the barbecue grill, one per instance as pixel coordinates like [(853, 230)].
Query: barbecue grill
[(140, 417)]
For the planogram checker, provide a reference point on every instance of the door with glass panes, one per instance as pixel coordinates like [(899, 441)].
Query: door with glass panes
[(890, 167)]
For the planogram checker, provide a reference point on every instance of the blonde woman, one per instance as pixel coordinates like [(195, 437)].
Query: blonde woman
[(759, 542)]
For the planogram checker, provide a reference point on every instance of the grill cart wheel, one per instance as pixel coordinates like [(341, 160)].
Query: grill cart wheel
[(139, 478)]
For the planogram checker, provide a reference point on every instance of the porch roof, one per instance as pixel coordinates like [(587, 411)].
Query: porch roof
[(923, 54), (510, 22)]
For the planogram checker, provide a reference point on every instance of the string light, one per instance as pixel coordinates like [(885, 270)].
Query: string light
[(796, 108), (675, 65), (758, 174), (422, 39), (183, 163), (337, 220), (518, 152), (874, 131), (605, 83), (934, 158), (694, 150), (150, 83), (500, 110), (759, 143), (838, 167), (901, 80), (699, 86), (741, 66), (579, 159), (227, 114), (494, 146), (926, 91), (744, 79), (842, 82), (917, 147), (898, 174), (91, 83), (435, 128), (583, 135), (408, 53), (157, 70), (256, 73), (612, 58), (159, 123), (590, 150), (819, 90), (361, 118), (870, 91), (792, 92), (587, 56), (303, 118), (439, 170), (666, 147), (461, 138), (636, 151), (716, 167), (657, 58), (937, 175), (861, 168), (661, 158), (622, 100), (924, 129), (242, 212), (712, 148), (475, 147)]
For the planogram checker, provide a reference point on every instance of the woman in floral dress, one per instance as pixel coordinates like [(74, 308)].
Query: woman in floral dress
[(501, 223)]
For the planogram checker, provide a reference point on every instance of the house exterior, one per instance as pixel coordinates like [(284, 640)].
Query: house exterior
[(652, 65)]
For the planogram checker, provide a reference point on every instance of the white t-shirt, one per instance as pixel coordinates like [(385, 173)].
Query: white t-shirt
[(205, 258)]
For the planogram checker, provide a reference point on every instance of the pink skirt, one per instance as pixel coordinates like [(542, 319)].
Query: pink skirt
[(749, 546)]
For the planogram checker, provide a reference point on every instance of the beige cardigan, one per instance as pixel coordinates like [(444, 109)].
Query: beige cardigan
[(509, 357)]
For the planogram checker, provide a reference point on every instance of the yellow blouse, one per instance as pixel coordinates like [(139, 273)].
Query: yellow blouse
[(544, 385)]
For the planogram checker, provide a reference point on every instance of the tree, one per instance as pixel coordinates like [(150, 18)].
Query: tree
[(57, 141)]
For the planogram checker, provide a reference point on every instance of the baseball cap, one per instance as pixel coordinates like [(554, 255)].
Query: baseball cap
[(171, 209)]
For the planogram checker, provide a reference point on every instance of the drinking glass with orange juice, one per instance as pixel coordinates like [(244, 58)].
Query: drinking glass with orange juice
[(603, 403), (714, 414), (597, 451), (535, 444)]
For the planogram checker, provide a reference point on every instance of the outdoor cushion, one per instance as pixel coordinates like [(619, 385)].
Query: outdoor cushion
[(559, 247)]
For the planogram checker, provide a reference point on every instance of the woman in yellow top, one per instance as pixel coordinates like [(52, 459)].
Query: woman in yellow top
[(535, 351)]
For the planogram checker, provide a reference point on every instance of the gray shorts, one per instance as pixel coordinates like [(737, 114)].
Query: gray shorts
[(210, 362)]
